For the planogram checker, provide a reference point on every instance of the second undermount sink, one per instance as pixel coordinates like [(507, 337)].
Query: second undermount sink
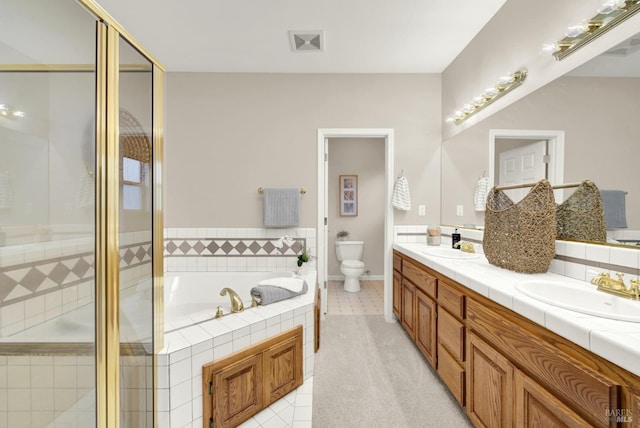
[(449, 253), (581, 298)]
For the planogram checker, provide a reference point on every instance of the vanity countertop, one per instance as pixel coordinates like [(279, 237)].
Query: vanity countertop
[(616, 341)]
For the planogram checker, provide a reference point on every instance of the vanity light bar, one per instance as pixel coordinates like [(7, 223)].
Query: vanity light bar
[(505, 85), (609, 15)]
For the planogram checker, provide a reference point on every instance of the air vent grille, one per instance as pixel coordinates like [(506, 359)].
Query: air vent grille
[(306, 41)]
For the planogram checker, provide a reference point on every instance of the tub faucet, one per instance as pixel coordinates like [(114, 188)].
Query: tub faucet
[(236, 302)]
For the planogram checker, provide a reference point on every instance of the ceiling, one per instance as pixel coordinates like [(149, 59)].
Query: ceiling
[(360, 36)]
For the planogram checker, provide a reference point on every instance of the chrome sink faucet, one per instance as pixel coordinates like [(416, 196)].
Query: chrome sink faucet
[(236, 302)]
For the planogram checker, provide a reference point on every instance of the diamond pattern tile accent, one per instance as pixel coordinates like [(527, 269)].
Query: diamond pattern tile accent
[(241, 247), (199, 247), (6, 285), (213, 247), (269, 247), (184, 247), (171, 247), (227, 247), (208, 247), (59, 273), (255, 247), (141, 253), (81, 267), (128, 256), (34, 278)]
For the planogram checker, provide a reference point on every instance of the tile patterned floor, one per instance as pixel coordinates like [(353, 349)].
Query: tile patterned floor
[(291, 411), (368, 301)]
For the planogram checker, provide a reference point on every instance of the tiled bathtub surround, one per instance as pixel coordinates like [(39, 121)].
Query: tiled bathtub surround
[(40, 281), (236, 249), (576, 260), (188, 349)]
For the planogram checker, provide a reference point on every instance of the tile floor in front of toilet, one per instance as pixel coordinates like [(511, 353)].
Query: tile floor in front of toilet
[(294, 410)]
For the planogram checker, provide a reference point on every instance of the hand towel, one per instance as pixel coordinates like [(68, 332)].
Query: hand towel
[(480, 197), (292, 284), (267, 294), (281, 207), (401, 199), (613, 202)]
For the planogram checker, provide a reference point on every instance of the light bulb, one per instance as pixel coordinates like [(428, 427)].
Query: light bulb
[(18, 113), (610, 6), (549, 49), (576, 30), (450, 119), (3, 107)]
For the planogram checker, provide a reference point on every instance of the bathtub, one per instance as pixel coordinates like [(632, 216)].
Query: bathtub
[(193, 297)]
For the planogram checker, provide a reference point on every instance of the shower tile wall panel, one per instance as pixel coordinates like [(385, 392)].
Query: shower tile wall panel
[(235, 249), (41, 281), (576, 260)]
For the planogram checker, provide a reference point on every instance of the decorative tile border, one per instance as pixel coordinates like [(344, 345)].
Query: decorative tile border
[(225, 247)]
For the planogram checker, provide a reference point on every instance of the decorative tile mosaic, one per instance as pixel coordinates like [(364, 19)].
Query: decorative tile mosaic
[(226, 247), (25, 280)]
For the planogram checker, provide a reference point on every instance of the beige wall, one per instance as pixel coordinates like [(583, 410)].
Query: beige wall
[(601, 130), (228, 134), (364, 157)]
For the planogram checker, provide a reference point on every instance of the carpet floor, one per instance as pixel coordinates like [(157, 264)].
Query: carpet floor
[(368, 373)]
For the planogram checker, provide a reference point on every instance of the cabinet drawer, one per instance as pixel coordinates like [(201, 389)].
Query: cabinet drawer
[(451, 334), (397, 262), (452, 374), (451, 299), (419, 277)]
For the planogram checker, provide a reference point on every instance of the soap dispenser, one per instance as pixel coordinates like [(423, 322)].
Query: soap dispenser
[(455, 238)]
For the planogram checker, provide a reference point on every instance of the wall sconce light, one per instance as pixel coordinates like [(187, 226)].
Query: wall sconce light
[(610, 14), (8, 112), (505, 85)]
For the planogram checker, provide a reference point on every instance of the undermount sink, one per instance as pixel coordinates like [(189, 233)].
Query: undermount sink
[(449, 253), (581, 298)]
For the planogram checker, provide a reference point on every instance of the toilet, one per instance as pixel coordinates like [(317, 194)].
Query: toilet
[(349, 253)]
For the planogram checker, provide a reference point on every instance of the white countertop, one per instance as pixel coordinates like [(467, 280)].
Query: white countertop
[(616, 341)]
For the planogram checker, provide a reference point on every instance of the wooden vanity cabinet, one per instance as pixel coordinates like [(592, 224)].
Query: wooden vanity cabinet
[(397, 285), (425, 326)]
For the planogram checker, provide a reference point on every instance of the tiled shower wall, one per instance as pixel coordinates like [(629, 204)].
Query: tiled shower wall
[(236, 249), (40, 281), (576, 260)]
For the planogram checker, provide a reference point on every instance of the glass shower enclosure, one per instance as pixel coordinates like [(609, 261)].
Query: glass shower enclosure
[(80, 218)]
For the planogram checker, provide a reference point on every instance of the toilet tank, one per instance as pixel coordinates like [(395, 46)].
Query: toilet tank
[(349, 250)]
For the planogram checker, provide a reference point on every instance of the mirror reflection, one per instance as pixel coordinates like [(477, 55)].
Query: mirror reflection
[(587, 120)]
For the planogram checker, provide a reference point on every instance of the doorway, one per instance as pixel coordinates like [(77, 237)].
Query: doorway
[(323, 208)]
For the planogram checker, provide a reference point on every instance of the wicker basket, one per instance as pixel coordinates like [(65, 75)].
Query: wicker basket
[(581, 216), (521, 236)]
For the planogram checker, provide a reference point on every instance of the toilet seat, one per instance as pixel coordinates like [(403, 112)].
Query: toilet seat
[(353, 264)]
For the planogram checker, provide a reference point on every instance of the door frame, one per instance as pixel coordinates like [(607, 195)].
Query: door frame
[(556, 151), (323, 205)]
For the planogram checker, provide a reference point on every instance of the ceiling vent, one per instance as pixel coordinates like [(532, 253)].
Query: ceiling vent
[(307, 41)]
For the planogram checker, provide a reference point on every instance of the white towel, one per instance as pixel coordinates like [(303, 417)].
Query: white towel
[(480, 197), (292, 284), (401, 199)]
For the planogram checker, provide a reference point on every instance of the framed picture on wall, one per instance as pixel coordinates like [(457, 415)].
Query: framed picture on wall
[(348, 195)]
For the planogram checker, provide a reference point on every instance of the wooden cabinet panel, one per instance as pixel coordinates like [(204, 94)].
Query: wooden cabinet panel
[(397, 262), (408, 306), (397, 294), (536, 407), (581, 387), (282, 365), (317, 309), (451, 334), (452, 374), (489, 385), (420, 278), (237, 392), (452, 299), (425, 327), (244, 383)]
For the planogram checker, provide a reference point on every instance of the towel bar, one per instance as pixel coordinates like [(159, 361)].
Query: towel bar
[(302, 190)]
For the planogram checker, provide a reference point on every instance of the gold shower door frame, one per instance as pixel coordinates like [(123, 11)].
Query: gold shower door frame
[(107, 214)]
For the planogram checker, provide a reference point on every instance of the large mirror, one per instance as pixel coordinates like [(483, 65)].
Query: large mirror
[(593, 109)]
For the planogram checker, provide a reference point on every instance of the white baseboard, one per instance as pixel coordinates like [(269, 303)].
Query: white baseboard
[(363, 277)]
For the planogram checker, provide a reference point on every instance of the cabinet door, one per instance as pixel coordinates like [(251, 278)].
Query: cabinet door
[(237, 392), (489, 385), (408, 306), (282, 367), (425, 326), (536, 407), (397, 294)]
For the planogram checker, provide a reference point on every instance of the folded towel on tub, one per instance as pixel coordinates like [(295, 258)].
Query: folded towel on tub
[(267, 294), (292, 283)]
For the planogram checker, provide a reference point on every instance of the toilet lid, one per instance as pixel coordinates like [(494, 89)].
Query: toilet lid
[(353, 263)]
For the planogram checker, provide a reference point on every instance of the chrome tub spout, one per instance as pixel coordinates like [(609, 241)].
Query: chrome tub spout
[(236, 302)]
